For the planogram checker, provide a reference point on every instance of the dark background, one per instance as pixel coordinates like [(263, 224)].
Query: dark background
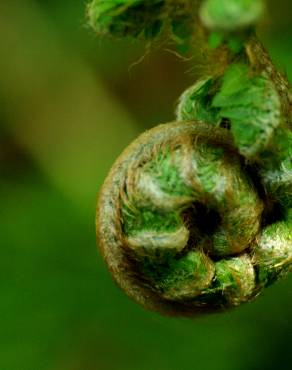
[(69, 103)]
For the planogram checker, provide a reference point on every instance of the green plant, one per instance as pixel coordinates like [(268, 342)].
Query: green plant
[(196, 215), (143, 19)]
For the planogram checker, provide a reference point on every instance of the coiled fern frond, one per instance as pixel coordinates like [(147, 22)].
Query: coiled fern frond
[(196, 215)]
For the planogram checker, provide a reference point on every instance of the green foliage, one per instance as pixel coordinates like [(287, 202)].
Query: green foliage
[(175, 277), (196, 103), (127, 17), (249, 102), (252, 105), (230, 15), (145, 219), (143, 19), (276, 171), (274, 252), (165, 170), (236, 277)]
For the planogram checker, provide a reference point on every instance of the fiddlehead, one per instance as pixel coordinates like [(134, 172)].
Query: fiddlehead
[(195, 216)]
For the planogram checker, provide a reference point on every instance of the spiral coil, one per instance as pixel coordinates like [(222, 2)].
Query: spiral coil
[(196, 215)]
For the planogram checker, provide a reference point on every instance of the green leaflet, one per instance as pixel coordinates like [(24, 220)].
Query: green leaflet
[(196, 103), (126, 17), (273, 254), (181, 278), (252, 105), (143, 19), (145, 219), (276, 171)]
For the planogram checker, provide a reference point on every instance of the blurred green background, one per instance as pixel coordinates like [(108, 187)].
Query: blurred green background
[(69, 103)]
